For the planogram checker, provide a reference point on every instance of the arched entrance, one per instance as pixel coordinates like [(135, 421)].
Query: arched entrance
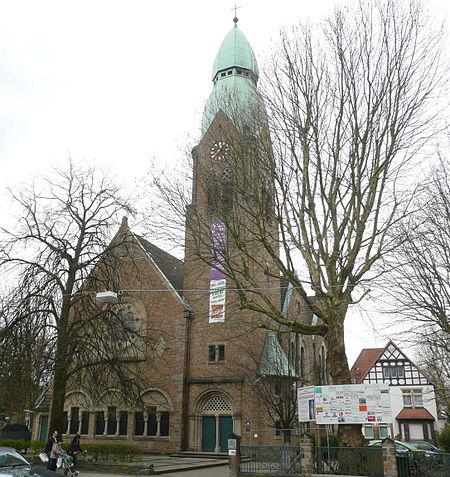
[(214, 422)]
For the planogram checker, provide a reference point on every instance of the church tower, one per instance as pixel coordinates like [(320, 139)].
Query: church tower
[(231, 195)]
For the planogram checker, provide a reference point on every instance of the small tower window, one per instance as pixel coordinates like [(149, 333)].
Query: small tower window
[(230, 72), (222, 74), (239, 72)]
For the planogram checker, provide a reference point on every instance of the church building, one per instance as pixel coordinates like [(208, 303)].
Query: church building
[(211, 356)]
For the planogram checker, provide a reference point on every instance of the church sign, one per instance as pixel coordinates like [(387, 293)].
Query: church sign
[(345, 404)]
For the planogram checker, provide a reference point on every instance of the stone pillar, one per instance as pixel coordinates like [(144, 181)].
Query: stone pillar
[(117, 423), (69, 418), (306, 456), (158, 424), (145, 424), (217, 449), (389, 458), (105, 420), (234, 459), (80, 415)]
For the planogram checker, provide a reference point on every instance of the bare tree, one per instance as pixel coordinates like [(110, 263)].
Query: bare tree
[(61, 253), (311, 191), (24, 361), (419, 283), (435, 361)]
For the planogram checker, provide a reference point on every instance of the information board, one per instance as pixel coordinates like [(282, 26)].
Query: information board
[(346, 404)]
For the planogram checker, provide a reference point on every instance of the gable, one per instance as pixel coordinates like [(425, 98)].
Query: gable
[(393, 367)]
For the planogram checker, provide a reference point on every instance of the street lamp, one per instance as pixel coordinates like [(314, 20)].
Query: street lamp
[(106, 297)]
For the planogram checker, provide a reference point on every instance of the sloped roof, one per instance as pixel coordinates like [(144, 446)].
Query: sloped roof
[(274, 361), (364, 362), (44, 400), (415, 413), (170, 266)]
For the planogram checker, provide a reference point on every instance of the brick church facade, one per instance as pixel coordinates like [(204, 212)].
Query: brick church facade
[(209, 354)]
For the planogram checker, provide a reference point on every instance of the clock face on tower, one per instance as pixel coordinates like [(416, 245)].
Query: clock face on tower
[(219, 150)]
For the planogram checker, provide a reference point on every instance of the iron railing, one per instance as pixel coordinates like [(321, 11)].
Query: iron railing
[(423, 464), (275, 460), (361, 461)]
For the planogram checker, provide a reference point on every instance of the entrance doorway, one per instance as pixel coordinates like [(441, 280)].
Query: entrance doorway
[(43, 428), (216, 428)]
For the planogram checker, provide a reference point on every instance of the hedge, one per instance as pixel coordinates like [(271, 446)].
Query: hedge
[(116, 452), (112, 451)]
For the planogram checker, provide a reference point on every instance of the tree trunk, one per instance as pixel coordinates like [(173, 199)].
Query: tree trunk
[(350, 435), (59, 385)]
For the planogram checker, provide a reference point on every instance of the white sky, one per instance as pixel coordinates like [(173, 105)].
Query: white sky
[(121, 83)]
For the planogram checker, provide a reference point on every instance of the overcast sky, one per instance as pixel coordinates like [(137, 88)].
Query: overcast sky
[(122, 83)]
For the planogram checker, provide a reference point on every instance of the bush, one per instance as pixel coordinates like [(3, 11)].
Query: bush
[(444, 438), (332, 439), (20, 445), (112, 452), (17, 444)]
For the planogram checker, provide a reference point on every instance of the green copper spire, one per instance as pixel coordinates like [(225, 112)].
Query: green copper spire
[(235, 51), (235, 76)]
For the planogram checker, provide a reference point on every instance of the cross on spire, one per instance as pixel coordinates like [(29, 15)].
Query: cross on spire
[(235, 19)]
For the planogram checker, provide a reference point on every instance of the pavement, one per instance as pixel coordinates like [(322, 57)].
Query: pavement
[(163, 464), (220, 471)]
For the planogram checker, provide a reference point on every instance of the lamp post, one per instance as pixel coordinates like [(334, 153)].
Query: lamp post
[(106, 297)]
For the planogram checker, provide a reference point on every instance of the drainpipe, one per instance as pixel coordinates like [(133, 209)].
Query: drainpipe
[(185, 403)]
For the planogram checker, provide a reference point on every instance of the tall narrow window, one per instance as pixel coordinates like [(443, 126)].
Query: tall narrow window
[(99, 423), (164, 424), (85, 422), (139, 423), (65, 423), (152, 422), (74, 420), (112, 421), (302, 362), (123, 423)]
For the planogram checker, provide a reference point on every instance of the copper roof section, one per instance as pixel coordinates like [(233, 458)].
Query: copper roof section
[(415, 414), (364, 362)]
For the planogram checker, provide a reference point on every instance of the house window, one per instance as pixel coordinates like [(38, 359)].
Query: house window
[(368, 432), (99, 423), (412, 398), (397, 371), (216, 353), (418, 398), (384, 432)]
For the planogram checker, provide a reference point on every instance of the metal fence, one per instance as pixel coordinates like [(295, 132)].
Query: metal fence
[(275, 460), (415, 464), (359, 461)]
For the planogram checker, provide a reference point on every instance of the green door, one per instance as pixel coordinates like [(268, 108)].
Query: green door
[(43, 428), (226, 427), (209, 434)]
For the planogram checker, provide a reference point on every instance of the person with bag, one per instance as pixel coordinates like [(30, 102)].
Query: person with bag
[(53, 450)]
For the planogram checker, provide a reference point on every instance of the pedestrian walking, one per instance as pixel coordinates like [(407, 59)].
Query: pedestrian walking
[(53, 450), (75, 449)]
